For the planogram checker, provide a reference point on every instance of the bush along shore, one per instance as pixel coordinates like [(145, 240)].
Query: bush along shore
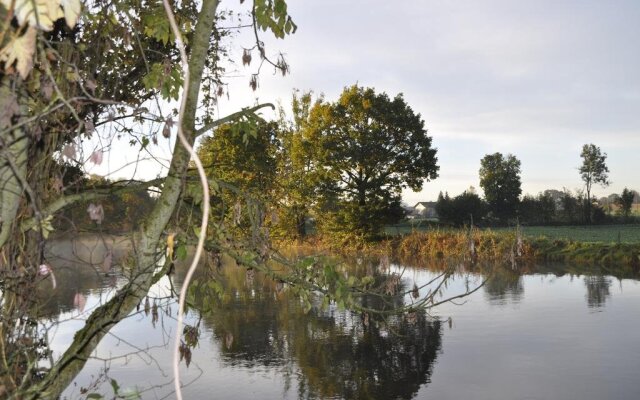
[(479, 245)]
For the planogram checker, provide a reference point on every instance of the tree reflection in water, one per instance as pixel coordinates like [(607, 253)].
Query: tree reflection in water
[(337, 354), (504, 285), (597, 290)]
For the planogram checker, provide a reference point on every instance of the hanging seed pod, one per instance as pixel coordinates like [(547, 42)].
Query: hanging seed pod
[(246, 57), (166, 130), (253, 83), (415, 292)]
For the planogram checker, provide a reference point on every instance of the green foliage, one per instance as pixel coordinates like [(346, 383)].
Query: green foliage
[(625, 202), (593, 170), (367, 148), (296, 169), (272, 15), (241, 158), (463, 209), (165, 77), (500, 181), (537, 210)]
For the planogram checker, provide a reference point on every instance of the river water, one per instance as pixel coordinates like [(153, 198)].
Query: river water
[(550, 332)]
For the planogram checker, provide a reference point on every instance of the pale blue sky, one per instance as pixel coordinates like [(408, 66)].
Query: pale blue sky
[(534, 78)]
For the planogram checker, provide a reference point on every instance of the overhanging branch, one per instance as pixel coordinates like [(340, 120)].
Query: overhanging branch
[(232, 117)]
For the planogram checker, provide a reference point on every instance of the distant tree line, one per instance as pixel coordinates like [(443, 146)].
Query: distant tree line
[(502, 203)]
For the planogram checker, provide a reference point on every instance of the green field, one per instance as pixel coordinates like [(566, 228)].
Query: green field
[(596, 233)]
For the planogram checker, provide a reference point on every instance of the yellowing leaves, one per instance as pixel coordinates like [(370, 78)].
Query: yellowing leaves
[(43, 13), (37, 14), (20, 51), (71, 11)]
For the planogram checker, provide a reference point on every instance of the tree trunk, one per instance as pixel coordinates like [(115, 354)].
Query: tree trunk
[(146, 239)]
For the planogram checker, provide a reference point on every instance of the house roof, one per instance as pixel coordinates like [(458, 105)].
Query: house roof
[(425, 204)]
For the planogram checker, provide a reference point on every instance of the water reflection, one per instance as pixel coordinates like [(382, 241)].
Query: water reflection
[(80, 266), (339, 354), (257, 324), (503, 286), (597, 290)]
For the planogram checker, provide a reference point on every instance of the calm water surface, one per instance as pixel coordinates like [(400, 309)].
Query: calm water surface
[(550, 334)]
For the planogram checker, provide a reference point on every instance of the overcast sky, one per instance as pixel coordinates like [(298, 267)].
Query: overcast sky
[(537, 79)]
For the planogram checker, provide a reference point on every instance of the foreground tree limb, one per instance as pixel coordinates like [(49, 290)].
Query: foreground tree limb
[(146, 239)]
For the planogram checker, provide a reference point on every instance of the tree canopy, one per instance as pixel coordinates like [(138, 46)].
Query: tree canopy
[(368, 147), (500, 181), (625, 202), (593, 170)]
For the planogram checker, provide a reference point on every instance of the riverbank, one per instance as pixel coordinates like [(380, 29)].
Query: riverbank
[(480, 245)]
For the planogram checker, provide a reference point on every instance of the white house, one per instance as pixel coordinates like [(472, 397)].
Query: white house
[(425, 209)]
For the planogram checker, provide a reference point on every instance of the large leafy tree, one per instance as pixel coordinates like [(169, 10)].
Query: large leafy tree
[(500, 181), (241, 160), (296, 189), (593, 170), (368, 147)]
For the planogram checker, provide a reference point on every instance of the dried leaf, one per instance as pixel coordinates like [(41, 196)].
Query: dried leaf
[(253, 83), (96, 213), (91, 85), (170, 245), (47, 89), (57, 185), (21, 51), (46, 270), (166, 130), (246, 57), (8, 107), (107, 262), (154, 314), (96, 157), (89, 127), (415, 292), (37, 13), (71, 11), (79, 301), (166, 67), (69, 151)]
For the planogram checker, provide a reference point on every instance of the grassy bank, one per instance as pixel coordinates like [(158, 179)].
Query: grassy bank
[(627, 233), (486, 245), (595, 233)]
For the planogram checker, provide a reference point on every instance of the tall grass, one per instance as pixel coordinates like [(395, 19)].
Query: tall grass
[(483, 245)]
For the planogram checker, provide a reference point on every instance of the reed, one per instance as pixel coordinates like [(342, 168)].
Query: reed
[(478, 245)]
